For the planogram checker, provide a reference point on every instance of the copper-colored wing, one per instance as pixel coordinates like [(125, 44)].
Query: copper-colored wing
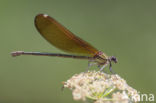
[(62, 38)]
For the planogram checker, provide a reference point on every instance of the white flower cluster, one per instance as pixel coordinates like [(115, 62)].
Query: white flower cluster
[(101, 88)]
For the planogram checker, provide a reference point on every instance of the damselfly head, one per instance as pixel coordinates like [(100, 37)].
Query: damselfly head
[(113, 58)]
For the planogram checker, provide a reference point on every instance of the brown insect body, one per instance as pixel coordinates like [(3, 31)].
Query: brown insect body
[(62, 38)]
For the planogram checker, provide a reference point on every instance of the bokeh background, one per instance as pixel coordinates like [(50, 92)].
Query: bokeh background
[(125, 29)]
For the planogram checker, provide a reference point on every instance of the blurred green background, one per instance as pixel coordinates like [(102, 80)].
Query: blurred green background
[(125, 29)]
